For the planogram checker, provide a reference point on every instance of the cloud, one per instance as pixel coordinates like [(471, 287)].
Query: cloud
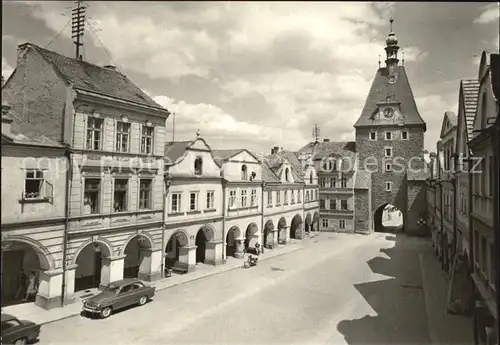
[(491, 13), (6, 69)]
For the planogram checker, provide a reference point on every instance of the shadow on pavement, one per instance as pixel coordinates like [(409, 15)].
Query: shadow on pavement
[(397, 299)]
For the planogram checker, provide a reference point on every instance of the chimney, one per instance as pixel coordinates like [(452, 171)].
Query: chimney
[(326, 140), (275, 150), (111, 67), (6, 119)]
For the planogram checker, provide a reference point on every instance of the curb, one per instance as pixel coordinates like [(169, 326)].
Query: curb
[(189, 281)]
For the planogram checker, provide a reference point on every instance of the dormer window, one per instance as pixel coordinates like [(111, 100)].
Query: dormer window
[(311, 178), (373, 136), (287, 175), (198, 166), (244, 172)]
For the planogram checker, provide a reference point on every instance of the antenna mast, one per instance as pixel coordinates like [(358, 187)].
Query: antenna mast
[(315, 133), (173, 127), (78, 26)]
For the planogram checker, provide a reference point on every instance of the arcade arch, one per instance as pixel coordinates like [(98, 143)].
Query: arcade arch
[(135, 255), (178, 240), (296, 227), (233, 234), (22, 255), (89, 261), (268, 241), (204, 235), (282, 231), (250, 233)]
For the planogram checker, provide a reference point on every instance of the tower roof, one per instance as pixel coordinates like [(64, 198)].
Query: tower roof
[(400, 90)]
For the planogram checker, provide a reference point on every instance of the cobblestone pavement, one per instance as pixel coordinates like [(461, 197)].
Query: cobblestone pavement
[(339, 289)]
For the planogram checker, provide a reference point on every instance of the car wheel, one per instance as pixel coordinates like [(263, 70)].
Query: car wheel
[(143, 300), (106, 312), (20, 341)]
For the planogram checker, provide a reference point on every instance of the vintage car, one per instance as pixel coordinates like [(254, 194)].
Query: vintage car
[(117, 295), (18, 332)]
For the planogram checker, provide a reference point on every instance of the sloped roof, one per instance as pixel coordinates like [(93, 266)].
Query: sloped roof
[(345, 149), (175, 149), (399, 91), (22, 132), (470, 91), (85, 75), (450, 117), (495, 74), (222, 155)]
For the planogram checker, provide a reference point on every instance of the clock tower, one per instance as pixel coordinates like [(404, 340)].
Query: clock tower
[(389, 146)]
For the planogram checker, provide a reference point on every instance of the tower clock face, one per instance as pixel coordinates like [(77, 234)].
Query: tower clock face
[(388, 112)]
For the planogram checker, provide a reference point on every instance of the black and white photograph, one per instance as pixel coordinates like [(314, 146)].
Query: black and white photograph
[(250, 172)]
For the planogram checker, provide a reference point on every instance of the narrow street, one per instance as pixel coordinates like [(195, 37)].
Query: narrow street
[(338, 289)]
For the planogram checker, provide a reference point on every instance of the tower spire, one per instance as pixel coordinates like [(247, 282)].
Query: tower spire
[(391, 49)]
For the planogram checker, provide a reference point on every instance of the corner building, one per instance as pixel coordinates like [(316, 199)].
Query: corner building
[(390, 144)]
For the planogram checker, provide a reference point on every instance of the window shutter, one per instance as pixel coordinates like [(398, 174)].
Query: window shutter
[(48, 189)]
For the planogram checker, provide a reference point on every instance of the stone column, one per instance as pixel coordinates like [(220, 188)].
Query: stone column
[(187, 258), (69, 296), (150, 267), (112, 269), (240, 249), (214, 253), (49, 289)]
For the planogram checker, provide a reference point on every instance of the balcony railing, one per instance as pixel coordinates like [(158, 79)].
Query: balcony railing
[(337, 211), (337, 189)]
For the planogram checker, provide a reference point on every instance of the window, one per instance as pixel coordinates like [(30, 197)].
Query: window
[(285, 198), (292, 196), (126, 289), (388, 135), (91, 193), (232, 198), (322, 182), (210, 200), (145, 194), (404, 135), (287, 175), (311, 178), (307, 196), (94, 133), (10, 324), (343, 182), (269, 198), (388, 166), (373, 135), (322, 204), (278, 197), (388, 151), (332, 164), (243, 198), (253, 197), (343, 204), (193, 201), (388, 186), (299, 198), (333, 204), (198, 166), (176, 203), (122, 136), (324, 223), (244, 172), (33, 184), (341, 223), (120, 195), (147, 140)]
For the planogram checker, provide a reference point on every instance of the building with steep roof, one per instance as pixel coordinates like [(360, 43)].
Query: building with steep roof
[(390, 145), (194, 231), (484, 235), (116, 135), (33, 209)]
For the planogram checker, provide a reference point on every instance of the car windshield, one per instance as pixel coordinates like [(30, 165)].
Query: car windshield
[(111, 288)]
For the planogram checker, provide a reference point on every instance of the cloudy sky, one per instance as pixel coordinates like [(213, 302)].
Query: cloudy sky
[(261, 74)]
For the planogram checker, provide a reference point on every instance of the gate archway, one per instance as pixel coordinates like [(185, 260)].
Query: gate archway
[(204, 235), (233, 234), (88, 273), (388, 218), (296, 227), (135, 251)]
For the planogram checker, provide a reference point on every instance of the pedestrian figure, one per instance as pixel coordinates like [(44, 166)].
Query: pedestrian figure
[(32, 287), (21, 285), (257, 249)]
